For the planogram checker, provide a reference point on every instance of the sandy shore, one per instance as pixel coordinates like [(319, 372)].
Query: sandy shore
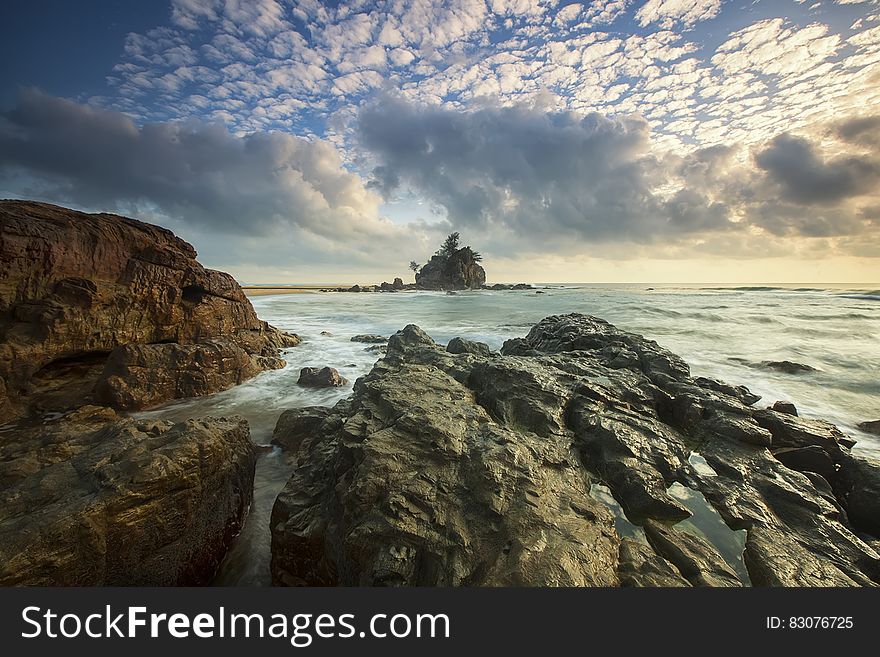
[(254, 291)]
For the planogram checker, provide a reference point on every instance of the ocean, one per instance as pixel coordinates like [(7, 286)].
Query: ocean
[(722, 332)]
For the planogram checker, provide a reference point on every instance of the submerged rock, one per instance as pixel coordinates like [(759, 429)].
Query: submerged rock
[(872, 426), (788, 367), (87, 300), (369, 338), (94, 499), (469, 468), (326, 377)]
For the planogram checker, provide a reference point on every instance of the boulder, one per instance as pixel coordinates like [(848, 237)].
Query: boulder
[(78, 290), (464, 346), (459, 271), (369, 338), (785, 407), (326, 377), (475, 469), (94, 499)]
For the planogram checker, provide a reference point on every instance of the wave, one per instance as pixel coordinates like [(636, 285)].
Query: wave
[(823, 318), (874, 295)]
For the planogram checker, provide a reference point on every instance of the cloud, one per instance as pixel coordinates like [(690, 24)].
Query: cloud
[(541, 175), (564, 180), (862, 131), (806, 178), (256, 185), (668, 13)]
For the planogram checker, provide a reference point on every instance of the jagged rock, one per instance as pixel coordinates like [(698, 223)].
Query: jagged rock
[(297, 424), (742, 393), (792, 431), (639, 565), (326, 333), (872, 426), (369, 338), (77, 289), (459, 271), (326, 377), (94, 499), (464, 346), (785, 407), (475, 469), (695, 559), (859, 486), (808, 459)]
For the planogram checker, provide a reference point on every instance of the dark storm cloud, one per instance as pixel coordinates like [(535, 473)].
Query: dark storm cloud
[(806, 178), (534, 172), (195, 172), (593, 178)]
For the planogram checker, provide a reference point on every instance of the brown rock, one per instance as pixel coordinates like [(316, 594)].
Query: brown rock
[(74, 287), (326, 377), (98, 500)]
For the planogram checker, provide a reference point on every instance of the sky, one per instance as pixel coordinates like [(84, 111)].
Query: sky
[(666, 141)]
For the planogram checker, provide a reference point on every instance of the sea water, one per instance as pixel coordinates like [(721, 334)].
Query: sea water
[(722, 332)]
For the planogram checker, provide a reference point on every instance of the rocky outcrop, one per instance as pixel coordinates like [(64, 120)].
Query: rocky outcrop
[(93, 499), (458, 467), (105, 308), (459, 271)]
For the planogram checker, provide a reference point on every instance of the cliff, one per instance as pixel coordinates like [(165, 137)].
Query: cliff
[(98, 307), (459, 271)]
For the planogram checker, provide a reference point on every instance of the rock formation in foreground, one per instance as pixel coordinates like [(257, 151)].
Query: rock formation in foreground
[(97, 307), (98, 500), (458, 271), (474, 468)]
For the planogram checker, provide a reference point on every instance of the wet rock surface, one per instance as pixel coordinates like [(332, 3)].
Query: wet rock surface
[(458, 467), (80, 291), (94, 499), (325, 377), (369, 338)]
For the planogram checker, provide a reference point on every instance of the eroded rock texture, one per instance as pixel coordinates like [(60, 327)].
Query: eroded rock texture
[(105, 308), (94, 499), (463, 467)]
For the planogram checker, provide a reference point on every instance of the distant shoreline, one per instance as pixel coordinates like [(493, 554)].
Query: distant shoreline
[(259, 291)]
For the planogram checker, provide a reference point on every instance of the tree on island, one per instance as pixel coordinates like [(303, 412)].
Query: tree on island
[(453, 267), (450, 245), (414, 265)]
